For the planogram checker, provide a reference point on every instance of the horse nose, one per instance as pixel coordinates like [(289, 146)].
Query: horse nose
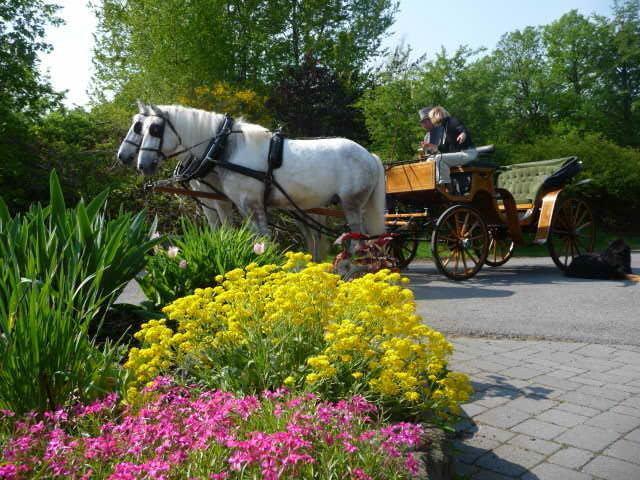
[(123, 159)]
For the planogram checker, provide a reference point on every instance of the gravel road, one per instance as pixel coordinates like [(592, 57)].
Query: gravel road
[(529, 298)]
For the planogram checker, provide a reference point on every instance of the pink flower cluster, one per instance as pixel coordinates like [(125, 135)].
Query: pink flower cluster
[(211, 434)]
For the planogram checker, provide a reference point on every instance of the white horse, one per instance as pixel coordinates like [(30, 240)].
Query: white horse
[(313, 173), (216, 212)]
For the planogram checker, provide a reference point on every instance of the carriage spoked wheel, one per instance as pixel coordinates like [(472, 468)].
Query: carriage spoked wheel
[(460, 242), (572, 233), (500, 246), (405, 245)]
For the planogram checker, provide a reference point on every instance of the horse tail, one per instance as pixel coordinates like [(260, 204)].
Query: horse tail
[(374, 208)]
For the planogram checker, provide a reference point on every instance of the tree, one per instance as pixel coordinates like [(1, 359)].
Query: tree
[(153, 49), (24, 95), (574, 46), (621, 97), (390, 107), (312, 101), (523, 87)]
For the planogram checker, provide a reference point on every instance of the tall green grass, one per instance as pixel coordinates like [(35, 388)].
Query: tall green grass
[(60, 268)]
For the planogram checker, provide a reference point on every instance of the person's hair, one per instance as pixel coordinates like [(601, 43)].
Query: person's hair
[(437, 115)]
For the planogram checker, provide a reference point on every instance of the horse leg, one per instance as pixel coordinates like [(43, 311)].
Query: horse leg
[(211, 213), (258, 216), (354, 214), (316, 242)]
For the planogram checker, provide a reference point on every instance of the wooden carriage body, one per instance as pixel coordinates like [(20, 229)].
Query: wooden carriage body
[(508, 202)]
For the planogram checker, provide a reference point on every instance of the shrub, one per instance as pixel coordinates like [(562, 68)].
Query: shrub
[(46, 355), (44, 240), (300, 325), (59, 270), (183, 433), (614, 192), (197, 257)]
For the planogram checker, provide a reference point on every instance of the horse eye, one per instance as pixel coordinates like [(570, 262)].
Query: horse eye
[(155, 130), (137, 128)]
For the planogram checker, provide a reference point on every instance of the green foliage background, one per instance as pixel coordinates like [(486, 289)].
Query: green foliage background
[(569, 87)]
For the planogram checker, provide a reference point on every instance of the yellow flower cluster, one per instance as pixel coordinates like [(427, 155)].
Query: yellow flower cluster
[(333, 335)]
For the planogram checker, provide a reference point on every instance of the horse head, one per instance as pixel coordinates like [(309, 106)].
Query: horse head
[(157, 141), (131, 144)]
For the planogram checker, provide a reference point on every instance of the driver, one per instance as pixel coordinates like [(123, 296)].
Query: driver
[(446, 135)]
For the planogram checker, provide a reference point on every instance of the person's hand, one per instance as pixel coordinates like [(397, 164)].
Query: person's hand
[(462, 137), (429, 147)]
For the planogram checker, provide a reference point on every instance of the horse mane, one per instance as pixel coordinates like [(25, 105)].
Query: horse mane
[(202, 119)]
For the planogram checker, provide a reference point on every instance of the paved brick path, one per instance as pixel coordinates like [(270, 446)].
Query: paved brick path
[(549, 410)]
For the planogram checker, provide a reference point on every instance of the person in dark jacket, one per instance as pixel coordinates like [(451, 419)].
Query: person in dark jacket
[(447, 140), (445, 134)]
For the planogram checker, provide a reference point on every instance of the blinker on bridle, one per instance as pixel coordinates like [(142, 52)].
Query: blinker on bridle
[(156, 130)]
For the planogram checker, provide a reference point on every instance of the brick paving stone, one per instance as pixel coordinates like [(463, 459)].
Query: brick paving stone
[(562, 417), (587, 400), (491, 433), (563, 373), (509, 460), (595, 350), (492, 402), (531, 405), (634, 436), (614, 421), (612, 469), (624, 410), (557, 382), (488, 366), (587, 437), (542, 391), (524, 373), (536, 444), (605, 392), (539, 429), (502, 417), (633, 402), (571, 457), (625, 450), (503, 360), (587, 381), (473, 409), (578, 409), (489, 475), (470, 453), (625, 388), (549, 471)]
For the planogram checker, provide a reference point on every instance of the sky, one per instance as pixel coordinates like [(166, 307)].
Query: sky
[(424, 25)]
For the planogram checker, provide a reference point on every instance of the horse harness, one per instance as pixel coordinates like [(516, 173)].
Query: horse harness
[(192, 168)]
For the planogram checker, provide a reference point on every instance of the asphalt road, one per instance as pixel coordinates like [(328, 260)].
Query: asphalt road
[(526, 298), (529, 298)]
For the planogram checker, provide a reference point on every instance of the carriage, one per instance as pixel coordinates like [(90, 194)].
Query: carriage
[(487, 212)]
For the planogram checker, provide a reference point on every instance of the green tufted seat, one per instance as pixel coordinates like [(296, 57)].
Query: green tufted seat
[(523, 180)]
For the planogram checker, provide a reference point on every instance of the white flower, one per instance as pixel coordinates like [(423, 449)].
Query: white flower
[(258, 248), (183, 264), (155, 235), (172, 252)]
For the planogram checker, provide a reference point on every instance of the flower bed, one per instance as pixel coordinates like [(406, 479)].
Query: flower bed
[(300, 325), (185, 433)]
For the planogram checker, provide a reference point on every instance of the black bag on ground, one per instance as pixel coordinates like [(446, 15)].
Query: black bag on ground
[(613, 263)]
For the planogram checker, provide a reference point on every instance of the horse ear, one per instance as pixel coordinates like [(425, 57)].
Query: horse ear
[(142, 108), (155, 110)]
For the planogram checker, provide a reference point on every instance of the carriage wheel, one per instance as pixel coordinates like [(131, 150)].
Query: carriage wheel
[(460, 242), (572, 233), (500, 247), (404, 248)]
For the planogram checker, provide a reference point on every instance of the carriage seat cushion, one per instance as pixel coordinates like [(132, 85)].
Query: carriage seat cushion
[(524, 180)]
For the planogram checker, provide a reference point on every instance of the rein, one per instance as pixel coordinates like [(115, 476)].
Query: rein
[(192, 168)]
